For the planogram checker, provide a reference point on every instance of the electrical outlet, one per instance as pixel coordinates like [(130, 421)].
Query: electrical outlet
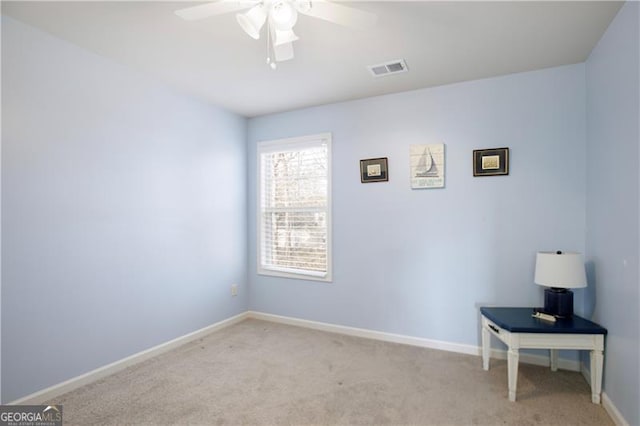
[(234, 289)]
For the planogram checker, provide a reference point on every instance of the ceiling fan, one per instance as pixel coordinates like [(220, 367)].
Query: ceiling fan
[(280, 17)]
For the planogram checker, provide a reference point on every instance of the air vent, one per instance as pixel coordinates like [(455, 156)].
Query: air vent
[(388, 68)]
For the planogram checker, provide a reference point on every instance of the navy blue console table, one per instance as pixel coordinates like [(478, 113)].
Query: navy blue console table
[(519, 330)]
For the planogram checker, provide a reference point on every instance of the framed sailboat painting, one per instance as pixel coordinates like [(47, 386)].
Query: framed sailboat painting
[(427, 166)]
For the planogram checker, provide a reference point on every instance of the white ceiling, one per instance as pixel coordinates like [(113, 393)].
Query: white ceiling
[(442, 42)]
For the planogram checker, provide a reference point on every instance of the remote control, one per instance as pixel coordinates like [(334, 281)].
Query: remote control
[(543, 316)]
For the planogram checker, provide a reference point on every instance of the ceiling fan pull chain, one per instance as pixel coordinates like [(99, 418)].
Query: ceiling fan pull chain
[(271, 63), (268, 51)]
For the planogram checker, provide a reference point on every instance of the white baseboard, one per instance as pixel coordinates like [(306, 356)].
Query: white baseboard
[(410, 340), (368, 334), (97, 374), (612, 410)]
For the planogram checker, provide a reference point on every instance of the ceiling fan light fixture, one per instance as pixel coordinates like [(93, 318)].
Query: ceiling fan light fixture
[(283, 15), (280, 16), (283, 37), (252, 21)]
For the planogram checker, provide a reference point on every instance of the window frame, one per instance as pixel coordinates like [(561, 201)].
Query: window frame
[(295, 143)]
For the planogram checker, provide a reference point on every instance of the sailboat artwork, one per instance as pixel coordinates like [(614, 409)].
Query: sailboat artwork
[(426, 159), (427, 166)]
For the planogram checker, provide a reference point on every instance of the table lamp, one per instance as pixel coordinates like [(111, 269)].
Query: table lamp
[(559, 271)]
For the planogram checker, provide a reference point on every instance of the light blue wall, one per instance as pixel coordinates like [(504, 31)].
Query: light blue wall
[(613, 114), (123, 212), (420, 262)]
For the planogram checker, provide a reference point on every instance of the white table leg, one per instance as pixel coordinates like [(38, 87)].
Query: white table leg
[(553, 355), (597, 359), (512, 363), (486, 346)]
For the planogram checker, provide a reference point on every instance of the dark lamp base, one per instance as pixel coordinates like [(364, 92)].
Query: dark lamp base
[(558, 302)]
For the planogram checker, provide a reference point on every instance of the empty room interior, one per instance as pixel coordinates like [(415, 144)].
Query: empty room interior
[(321, 212)]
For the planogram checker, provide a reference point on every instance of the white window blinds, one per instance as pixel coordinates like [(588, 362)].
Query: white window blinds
[(294, 207)]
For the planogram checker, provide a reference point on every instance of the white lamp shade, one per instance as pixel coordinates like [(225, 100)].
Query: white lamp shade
[(283, 37), (252, 21), (283, 15), (564, 270)]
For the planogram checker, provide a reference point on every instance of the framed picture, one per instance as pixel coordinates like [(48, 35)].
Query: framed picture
[(491, 162), (374, 170), (426, 163)]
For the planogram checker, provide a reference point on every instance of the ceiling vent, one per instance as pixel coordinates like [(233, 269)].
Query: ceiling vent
[(388, 68)]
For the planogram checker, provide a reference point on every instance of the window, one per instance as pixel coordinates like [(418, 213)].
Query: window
[(294, 207)]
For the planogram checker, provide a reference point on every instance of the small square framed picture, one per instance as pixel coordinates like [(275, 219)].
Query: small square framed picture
[(374, 170), (491, 162)]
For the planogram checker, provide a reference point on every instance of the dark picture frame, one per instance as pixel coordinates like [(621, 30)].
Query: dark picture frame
[(374, 170), (491, 162)]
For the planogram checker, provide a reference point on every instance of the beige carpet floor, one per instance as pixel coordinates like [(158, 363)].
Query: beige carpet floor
[(257, 372)]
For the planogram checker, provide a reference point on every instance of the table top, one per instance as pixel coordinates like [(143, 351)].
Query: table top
[(520, 320)]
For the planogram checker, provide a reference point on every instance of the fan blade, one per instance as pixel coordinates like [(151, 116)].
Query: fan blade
[(338, 14), (212, 9), (284, 52)]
